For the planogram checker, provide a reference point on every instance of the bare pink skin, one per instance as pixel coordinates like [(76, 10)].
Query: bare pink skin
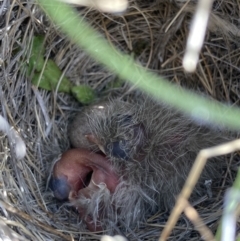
[(80, 172)]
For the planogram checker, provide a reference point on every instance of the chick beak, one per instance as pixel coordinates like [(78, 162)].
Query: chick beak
[(91, 138)]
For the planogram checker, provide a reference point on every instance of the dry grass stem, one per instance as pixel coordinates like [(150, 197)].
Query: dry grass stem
[(197, 35), (194, 217), (192, 179), (34, 220)]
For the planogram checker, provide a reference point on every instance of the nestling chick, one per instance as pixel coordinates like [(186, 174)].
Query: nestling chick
[(81, 175), (150, 148)]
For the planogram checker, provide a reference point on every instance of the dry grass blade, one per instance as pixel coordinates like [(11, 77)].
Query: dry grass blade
[(34, 220), (194, 217), (6, 233)]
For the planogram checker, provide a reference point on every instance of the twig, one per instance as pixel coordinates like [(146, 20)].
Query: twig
[(192, 180), (193, 215)]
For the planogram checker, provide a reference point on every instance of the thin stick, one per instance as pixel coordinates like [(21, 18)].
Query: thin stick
[(193, 215), (192, 180)]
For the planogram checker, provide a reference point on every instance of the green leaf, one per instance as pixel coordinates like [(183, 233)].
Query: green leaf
[(83, 94), (50, 78), (36, 60)]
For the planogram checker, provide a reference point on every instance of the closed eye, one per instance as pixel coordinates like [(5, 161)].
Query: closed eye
[(118, 149)]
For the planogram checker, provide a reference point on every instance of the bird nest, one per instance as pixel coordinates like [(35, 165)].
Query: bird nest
[(155, 34)]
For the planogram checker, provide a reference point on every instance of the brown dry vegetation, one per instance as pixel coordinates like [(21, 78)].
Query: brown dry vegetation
[(28, 210)]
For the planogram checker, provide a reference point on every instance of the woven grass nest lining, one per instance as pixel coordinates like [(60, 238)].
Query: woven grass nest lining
[(28, 209)]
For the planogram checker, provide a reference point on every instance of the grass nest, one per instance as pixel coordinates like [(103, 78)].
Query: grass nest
[(155, 34)]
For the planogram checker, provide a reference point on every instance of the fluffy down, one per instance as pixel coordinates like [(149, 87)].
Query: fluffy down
[(151, 149)]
